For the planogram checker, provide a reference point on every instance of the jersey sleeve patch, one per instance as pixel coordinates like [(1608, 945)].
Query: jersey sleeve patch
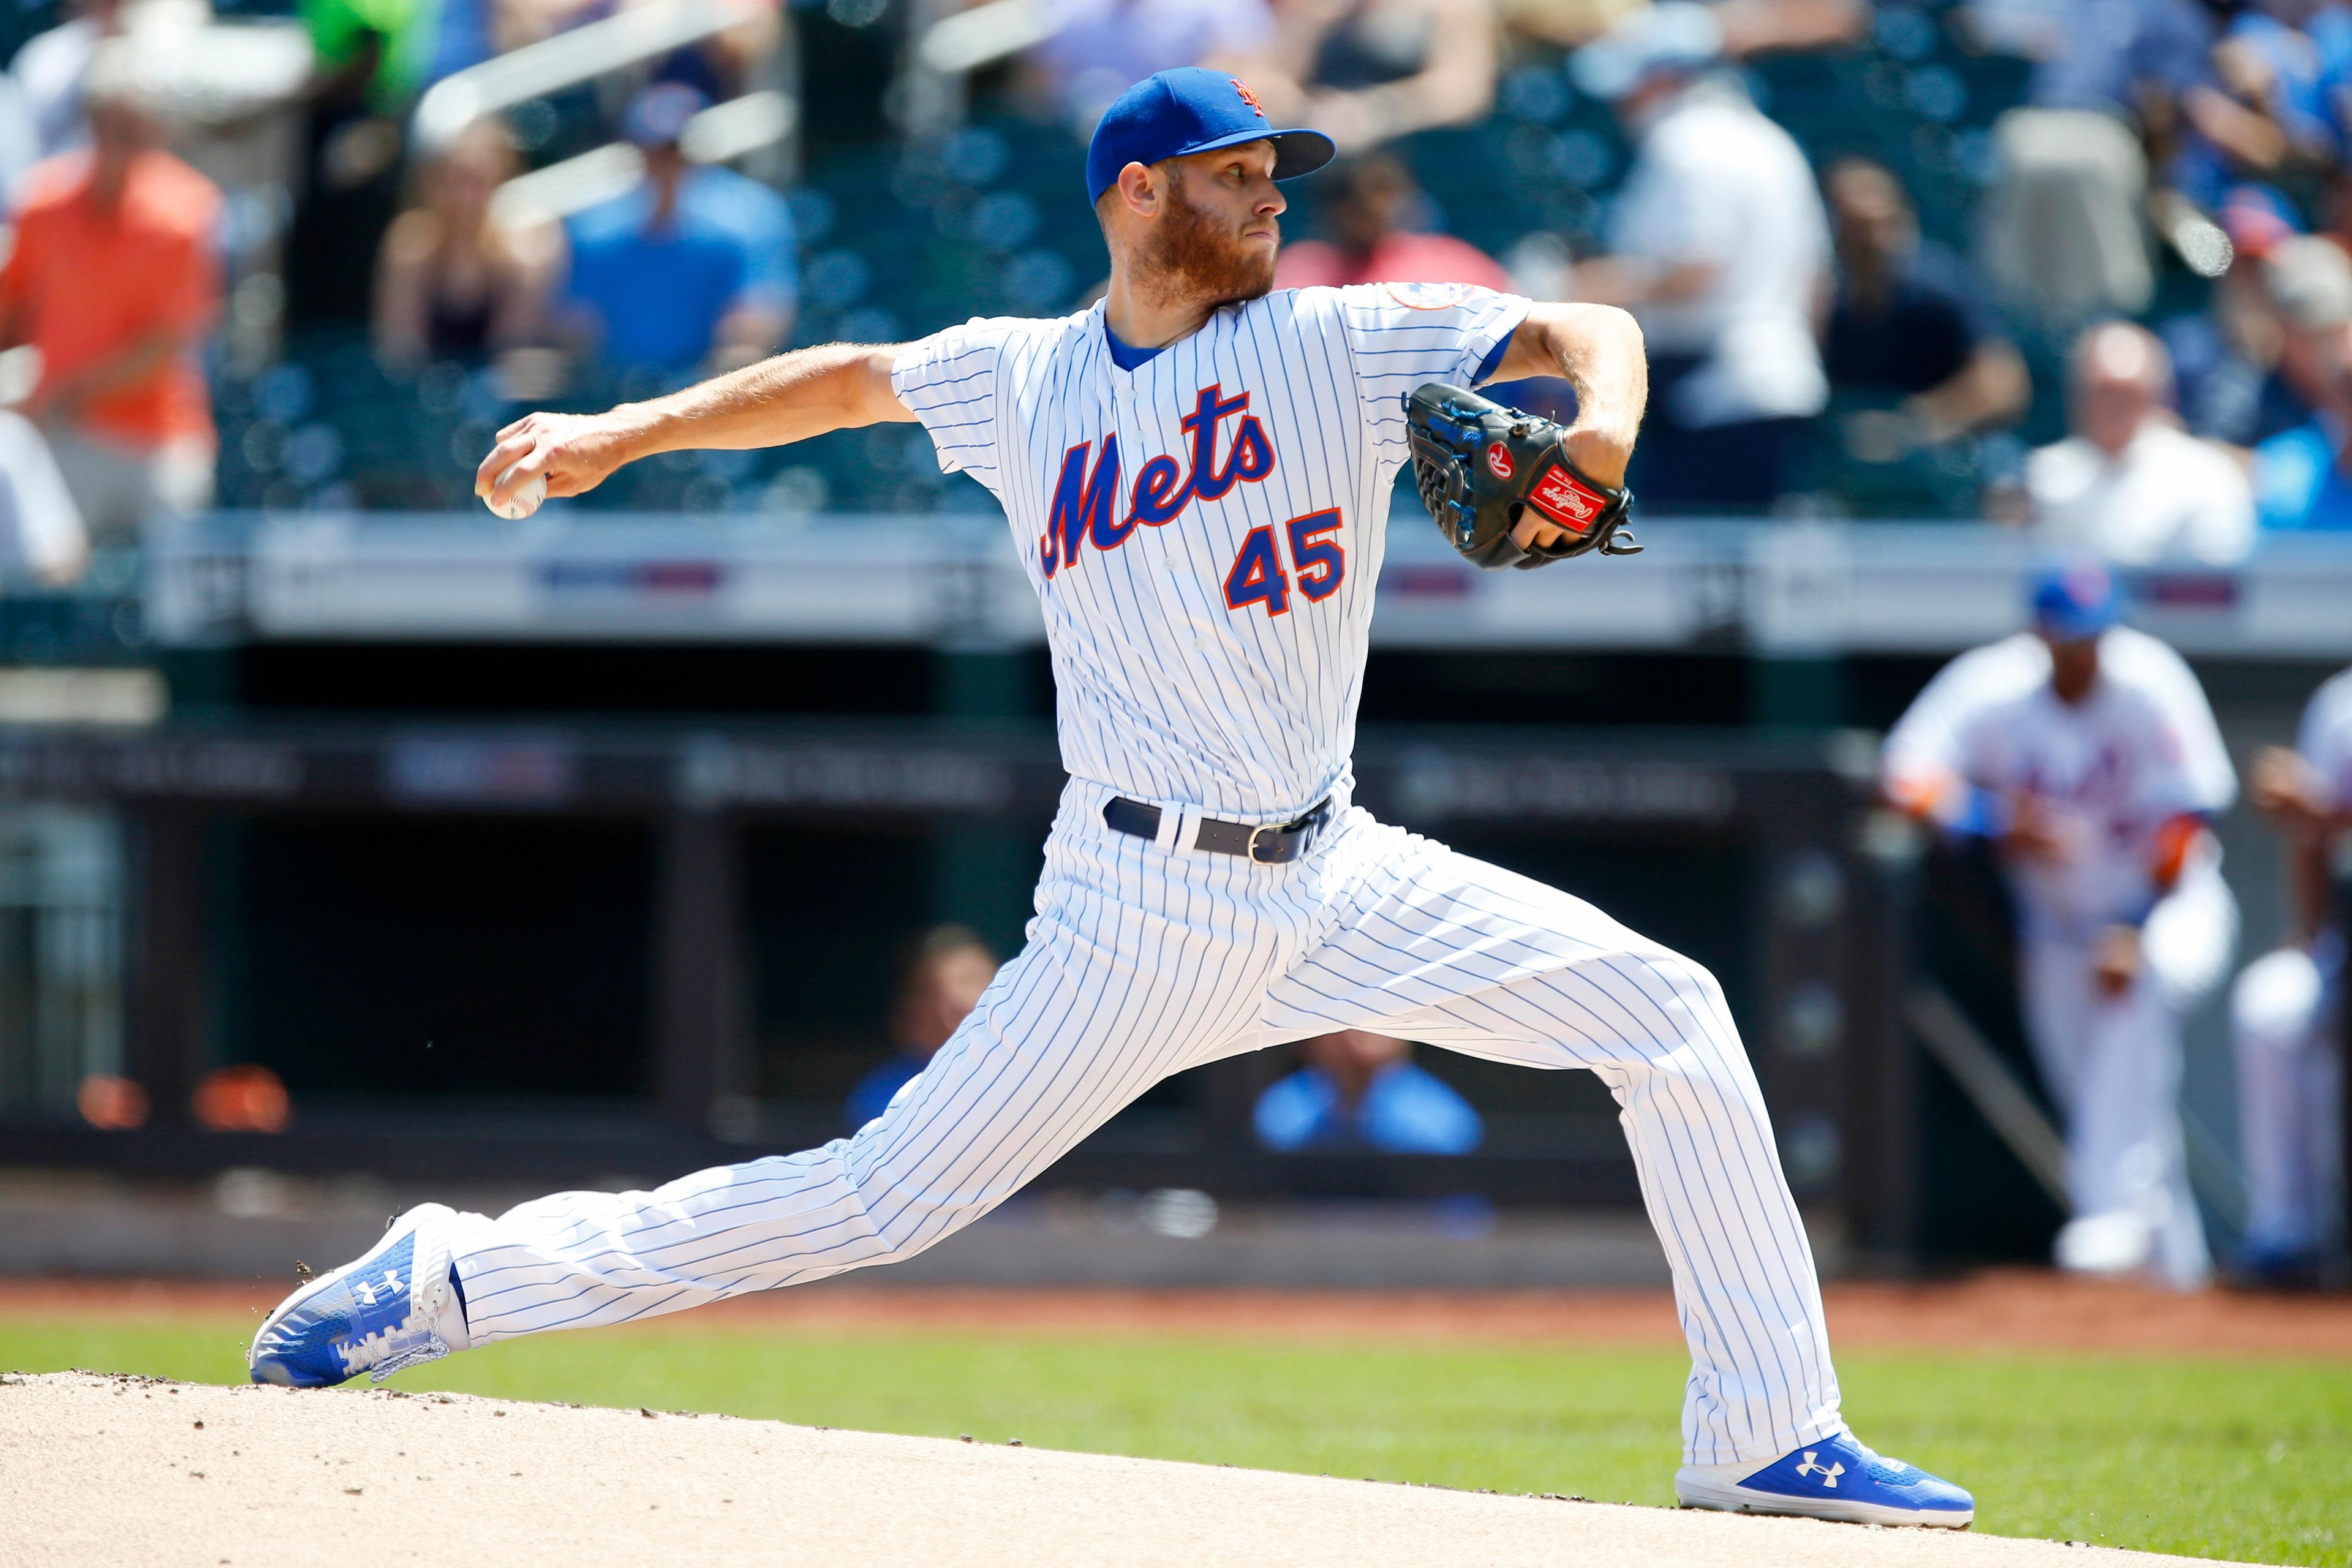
[(1429, 296)]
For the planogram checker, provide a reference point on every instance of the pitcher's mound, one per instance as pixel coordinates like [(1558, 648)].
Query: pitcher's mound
[(105, 1470)]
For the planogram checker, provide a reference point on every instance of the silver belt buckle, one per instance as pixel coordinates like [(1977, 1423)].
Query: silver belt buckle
[(1305, 824)]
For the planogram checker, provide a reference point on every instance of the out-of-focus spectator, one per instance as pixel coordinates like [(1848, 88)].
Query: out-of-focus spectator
[(2262, 110), (2244, 364), (694, 267), (1360, 1089), (938, 984), (1749, 27), (1367, 205), (2065, 235), (1563, 24), (1097, 49), (114, 280), (1367, 71), (2130, 484), (41, 531), (1719, 245), (454, 282), (2109, 57), (386, 44), (372, 56), (50, 68), (2307, 284), (1763, 26), (719, 65), (1366, 214), (2303, 478), (1910, 332), (465, 34)]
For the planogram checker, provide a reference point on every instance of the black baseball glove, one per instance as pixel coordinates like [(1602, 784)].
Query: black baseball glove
[(1482, 465)]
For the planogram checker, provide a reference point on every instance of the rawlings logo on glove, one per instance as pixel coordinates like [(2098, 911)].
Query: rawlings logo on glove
[(1481, 468)]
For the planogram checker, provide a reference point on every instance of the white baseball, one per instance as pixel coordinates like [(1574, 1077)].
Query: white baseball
[(524, 502)]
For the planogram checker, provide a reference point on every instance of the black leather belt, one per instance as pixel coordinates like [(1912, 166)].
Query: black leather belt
[(1274, 843)]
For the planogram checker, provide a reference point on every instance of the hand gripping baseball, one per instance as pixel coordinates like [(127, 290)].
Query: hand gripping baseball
[(1501, 486), (566, 453)]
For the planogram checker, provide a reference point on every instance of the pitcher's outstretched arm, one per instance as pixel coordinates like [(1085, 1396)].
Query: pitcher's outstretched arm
[(809, 391)]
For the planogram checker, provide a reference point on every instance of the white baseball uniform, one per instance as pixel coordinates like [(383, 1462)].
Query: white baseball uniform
[(2285, 1013), (2138, 750), (1205, 531)]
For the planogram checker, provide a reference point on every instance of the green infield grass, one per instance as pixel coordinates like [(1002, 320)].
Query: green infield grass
[(2247, 1459)]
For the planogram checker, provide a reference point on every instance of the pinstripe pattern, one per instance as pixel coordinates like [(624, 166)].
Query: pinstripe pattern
[(1163, 690), (1144, 959), (1430, 945)]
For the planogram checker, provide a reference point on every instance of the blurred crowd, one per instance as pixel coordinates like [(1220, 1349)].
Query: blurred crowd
[(2126, 321)]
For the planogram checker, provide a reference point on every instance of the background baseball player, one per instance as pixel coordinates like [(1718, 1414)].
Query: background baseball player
[(2086, 752), (1197, 474), (2285, 1010)]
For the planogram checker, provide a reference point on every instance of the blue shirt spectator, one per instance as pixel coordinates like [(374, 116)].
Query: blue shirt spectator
[(2299, 480), (1909, 326), (694, 267), (1360, 1089), (874, 1091), (2099, 53), (2233, 386), (1921, 332), (942, 977)]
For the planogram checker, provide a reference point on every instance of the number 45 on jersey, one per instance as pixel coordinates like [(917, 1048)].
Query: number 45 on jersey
[(1318, 563)]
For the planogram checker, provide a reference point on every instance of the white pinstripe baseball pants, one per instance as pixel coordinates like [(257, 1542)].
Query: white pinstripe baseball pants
[(1145, 959)]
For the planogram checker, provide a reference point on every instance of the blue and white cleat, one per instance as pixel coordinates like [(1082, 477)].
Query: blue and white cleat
[(392, 1307), (1836, 1478)]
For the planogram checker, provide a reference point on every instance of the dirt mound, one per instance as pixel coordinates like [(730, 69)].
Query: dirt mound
[(108, 1470)]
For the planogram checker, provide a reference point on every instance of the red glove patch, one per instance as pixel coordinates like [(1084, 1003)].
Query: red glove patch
[(1560, 497)]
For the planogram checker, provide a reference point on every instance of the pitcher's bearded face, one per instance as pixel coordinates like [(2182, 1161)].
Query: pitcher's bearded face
[(1205, 251)]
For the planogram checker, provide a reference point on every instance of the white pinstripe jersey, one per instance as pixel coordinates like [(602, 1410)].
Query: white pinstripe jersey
[(2325, 740), (2140, 748), (1205, 531)]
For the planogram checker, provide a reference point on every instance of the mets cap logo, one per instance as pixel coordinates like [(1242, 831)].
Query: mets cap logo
[(1248, 96)]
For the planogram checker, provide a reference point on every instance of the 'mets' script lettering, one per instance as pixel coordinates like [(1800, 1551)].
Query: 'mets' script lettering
[(1085, 500)]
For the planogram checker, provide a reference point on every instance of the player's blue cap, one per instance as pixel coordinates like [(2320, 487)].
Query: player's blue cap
[(1191, 110), (2076, 599)]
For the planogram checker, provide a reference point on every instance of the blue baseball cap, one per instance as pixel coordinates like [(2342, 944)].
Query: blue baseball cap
[(2075, 600), (1191, 110)]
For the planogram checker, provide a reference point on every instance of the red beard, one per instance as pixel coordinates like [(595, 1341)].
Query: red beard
[(1193, 254)]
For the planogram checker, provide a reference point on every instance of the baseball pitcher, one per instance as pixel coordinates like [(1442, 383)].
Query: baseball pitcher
[(1197, 475)]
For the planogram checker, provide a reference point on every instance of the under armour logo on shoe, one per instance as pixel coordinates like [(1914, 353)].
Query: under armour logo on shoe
[(366, 1289), (1813, 1467)]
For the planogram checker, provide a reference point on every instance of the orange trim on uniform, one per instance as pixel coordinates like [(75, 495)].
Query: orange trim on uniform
[(2174, 839)]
